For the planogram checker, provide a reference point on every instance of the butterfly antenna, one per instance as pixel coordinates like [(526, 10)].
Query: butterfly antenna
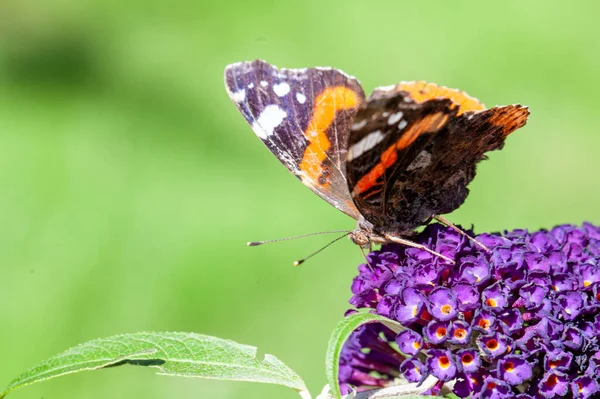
[(301, 261), (256, 243)]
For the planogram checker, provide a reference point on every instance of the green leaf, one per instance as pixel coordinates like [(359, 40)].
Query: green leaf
[(176, 354), (407, 391), (400, 396), (340, 334), (377, 396)]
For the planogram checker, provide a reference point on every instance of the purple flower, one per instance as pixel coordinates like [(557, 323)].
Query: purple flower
[(557, 359), (441, 364), (494, 345), (467, 385), (495, 298), (573, 338), (584, 387), (468, 360), (369, 348), (467, 296), (511, 321), (460, 333), (409, 342), (484, 321), (387, 305), (493, 388), (442, 304), (533, 294), (554, 384), (436, 332), (590, 274), (475, 271), (571, 304), (412, 304), (521, 320), (514, 369), (413, 370)]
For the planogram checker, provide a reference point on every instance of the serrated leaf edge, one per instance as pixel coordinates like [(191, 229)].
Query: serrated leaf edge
[(292, 381)]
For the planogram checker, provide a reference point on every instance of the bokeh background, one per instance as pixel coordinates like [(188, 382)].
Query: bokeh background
[(130, 184)]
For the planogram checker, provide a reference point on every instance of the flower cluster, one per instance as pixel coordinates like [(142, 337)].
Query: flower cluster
[(518, 321)]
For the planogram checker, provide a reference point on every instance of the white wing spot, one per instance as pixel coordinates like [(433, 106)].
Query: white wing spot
[(264, 83), (251, 85), (268, 120), (422, 160), (386, 88), (239, 95), (402, 124), (385, 114), (359, 125), (349, 77), (301, 98), (281, 89), (394, 118), (365, 144)]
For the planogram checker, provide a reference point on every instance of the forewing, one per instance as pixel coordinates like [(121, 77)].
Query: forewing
[(303, 116), (428, 145)]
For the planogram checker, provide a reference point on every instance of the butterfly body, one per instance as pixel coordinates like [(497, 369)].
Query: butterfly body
[(391, 161)]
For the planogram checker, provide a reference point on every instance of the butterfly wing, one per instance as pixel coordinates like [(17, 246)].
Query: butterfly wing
[(414, 150), (304, 117)]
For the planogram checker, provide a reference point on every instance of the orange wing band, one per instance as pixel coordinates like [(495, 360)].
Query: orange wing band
[(429, 124), (330, 101), (423, 91), (510, 117)]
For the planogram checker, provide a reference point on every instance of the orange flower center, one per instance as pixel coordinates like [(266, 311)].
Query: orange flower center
[(467, 358), (485, 324), (492, 344), (460, 333), (441, 332), (491, 302), (446, 309), (509, 366), (444, 362)]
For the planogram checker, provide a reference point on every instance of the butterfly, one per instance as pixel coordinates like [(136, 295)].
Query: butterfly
[(392, 161)]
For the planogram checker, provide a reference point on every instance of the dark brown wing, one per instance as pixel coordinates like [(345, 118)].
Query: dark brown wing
[(303, 116), (414, 148)]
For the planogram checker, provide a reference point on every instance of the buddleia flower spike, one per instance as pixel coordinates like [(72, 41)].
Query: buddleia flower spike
[(518, 321)]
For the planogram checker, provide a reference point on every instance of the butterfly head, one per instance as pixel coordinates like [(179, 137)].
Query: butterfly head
[(360, 238), (363, 235)]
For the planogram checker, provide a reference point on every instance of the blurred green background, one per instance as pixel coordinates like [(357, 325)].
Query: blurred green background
[(130, 183)]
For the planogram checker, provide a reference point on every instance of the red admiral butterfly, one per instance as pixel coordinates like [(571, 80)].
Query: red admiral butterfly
[(392, 161)]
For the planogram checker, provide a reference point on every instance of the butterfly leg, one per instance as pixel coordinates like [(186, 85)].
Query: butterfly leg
[(448, 223), (365, 256), (409, 243)]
